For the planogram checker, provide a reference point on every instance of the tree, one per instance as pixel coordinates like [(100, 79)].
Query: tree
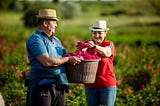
[(5, 4), (55, 1), (156, 5)]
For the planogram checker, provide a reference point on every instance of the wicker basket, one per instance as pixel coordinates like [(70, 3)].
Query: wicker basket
[(85, 72)]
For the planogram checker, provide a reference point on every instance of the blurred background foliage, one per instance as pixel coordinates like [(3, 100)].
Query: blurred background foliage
[(134, 29)]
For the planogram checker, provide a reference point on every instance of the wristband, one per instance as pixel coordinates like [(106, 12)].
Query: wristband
[(94, 46)]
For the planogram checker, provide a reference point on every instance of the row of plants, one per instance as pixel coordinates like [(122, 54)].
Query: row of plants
[(137, 70), (136, 62), (138, 74)]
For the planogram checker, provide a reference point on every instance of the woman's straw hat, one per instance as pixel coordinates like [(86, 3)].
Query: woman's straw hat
[(99, 25), (47, 14)]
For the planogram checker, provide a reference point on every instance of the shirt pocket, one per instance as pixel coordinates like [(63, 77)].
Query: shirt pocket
[(59, 50)]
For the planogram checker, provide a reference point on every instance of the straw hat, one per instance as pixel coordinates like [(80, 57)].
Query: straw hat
[(47, 14), (99, 25)]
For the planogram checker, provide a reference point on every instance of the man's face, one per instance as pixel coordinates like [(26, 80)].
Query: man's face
[(51, 26)]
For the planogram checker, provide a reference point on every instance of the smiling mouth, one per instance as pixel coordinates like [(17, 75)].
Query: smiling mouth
[(97, 41)]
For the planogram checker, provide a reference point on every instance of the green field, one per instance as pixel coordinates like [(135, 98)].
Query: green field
[(134, 28)]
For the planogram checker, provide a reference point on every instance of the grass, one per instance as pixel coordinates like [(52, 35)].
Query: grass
[(123, 29), (10, 18), (123, 26)]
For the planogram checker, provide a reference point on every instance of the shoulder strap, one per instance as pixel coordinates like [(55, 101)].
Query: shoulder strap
[(110, 44)]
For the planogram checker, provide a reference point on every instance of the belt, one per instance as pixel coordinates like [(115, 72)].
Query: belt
[(61, 87), (56, 86)]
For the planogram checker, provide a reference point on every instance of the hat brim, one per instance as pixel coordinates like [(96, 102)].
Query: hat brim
[(54, 18), (98, 29)]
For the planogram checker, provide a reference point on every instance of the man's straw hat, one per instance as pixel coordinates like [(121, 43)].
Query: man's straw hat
[(99, 25), (47, 14)]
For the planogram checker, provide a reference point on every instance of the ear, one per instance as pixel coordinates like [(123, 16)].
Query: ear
[(45, 23)]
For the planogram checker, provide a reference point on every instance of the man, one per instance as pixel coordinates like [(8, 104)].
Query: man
[(47, 79)]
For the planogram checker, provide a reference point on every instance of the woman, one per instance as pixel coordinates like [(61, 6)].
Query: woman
[(103, 91)]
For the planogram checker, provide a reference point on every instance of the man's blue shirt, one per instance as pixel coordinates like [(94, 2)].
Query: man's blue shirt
[(39, 43)]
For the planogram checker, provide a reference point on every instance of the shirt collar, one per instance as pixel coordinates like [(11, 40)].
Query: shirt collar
[(103, 42), (43, 33), (39, 31)]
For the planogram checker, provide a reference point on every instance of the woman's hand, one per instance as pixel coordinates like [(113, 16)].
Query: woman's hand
[(91, 44), (81, 45)]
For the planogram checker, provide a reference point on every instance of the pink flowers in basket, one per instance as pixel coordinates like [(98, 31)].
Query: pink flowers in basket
[(81, 52)]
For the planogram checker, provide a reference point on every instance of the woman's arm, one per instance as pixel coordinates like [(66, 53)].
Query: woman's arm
[(104, 51)]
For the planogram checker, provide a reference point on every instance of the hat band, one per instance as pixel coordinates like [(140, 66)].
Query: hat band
[(97, 28), (45, 17)]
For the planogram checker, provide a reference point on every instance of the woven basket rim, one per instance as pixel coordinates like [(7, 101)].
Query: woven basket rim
[(90, 60)]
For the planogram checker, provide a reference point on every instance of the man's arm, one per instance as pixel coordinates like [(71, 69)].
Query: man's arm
[(47, 60)]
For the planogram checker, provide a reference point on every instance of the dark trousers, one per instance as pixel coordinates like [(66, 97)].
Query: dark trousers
[(48, 95)]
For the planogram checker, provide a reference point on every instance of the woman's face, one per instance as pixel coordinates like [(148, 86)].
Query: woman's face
[(98, 36)]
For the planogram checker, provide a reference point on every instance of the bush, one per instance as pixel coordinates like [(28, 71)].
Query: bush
[(137, 80), (29, 17), (76, 96), (13, 70), (149, 96), (156, 5), (6, 4), (70, 10)]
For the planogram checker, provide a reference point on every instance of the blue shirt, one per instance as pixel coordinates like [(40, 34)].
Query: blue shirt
[(37, 44)]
